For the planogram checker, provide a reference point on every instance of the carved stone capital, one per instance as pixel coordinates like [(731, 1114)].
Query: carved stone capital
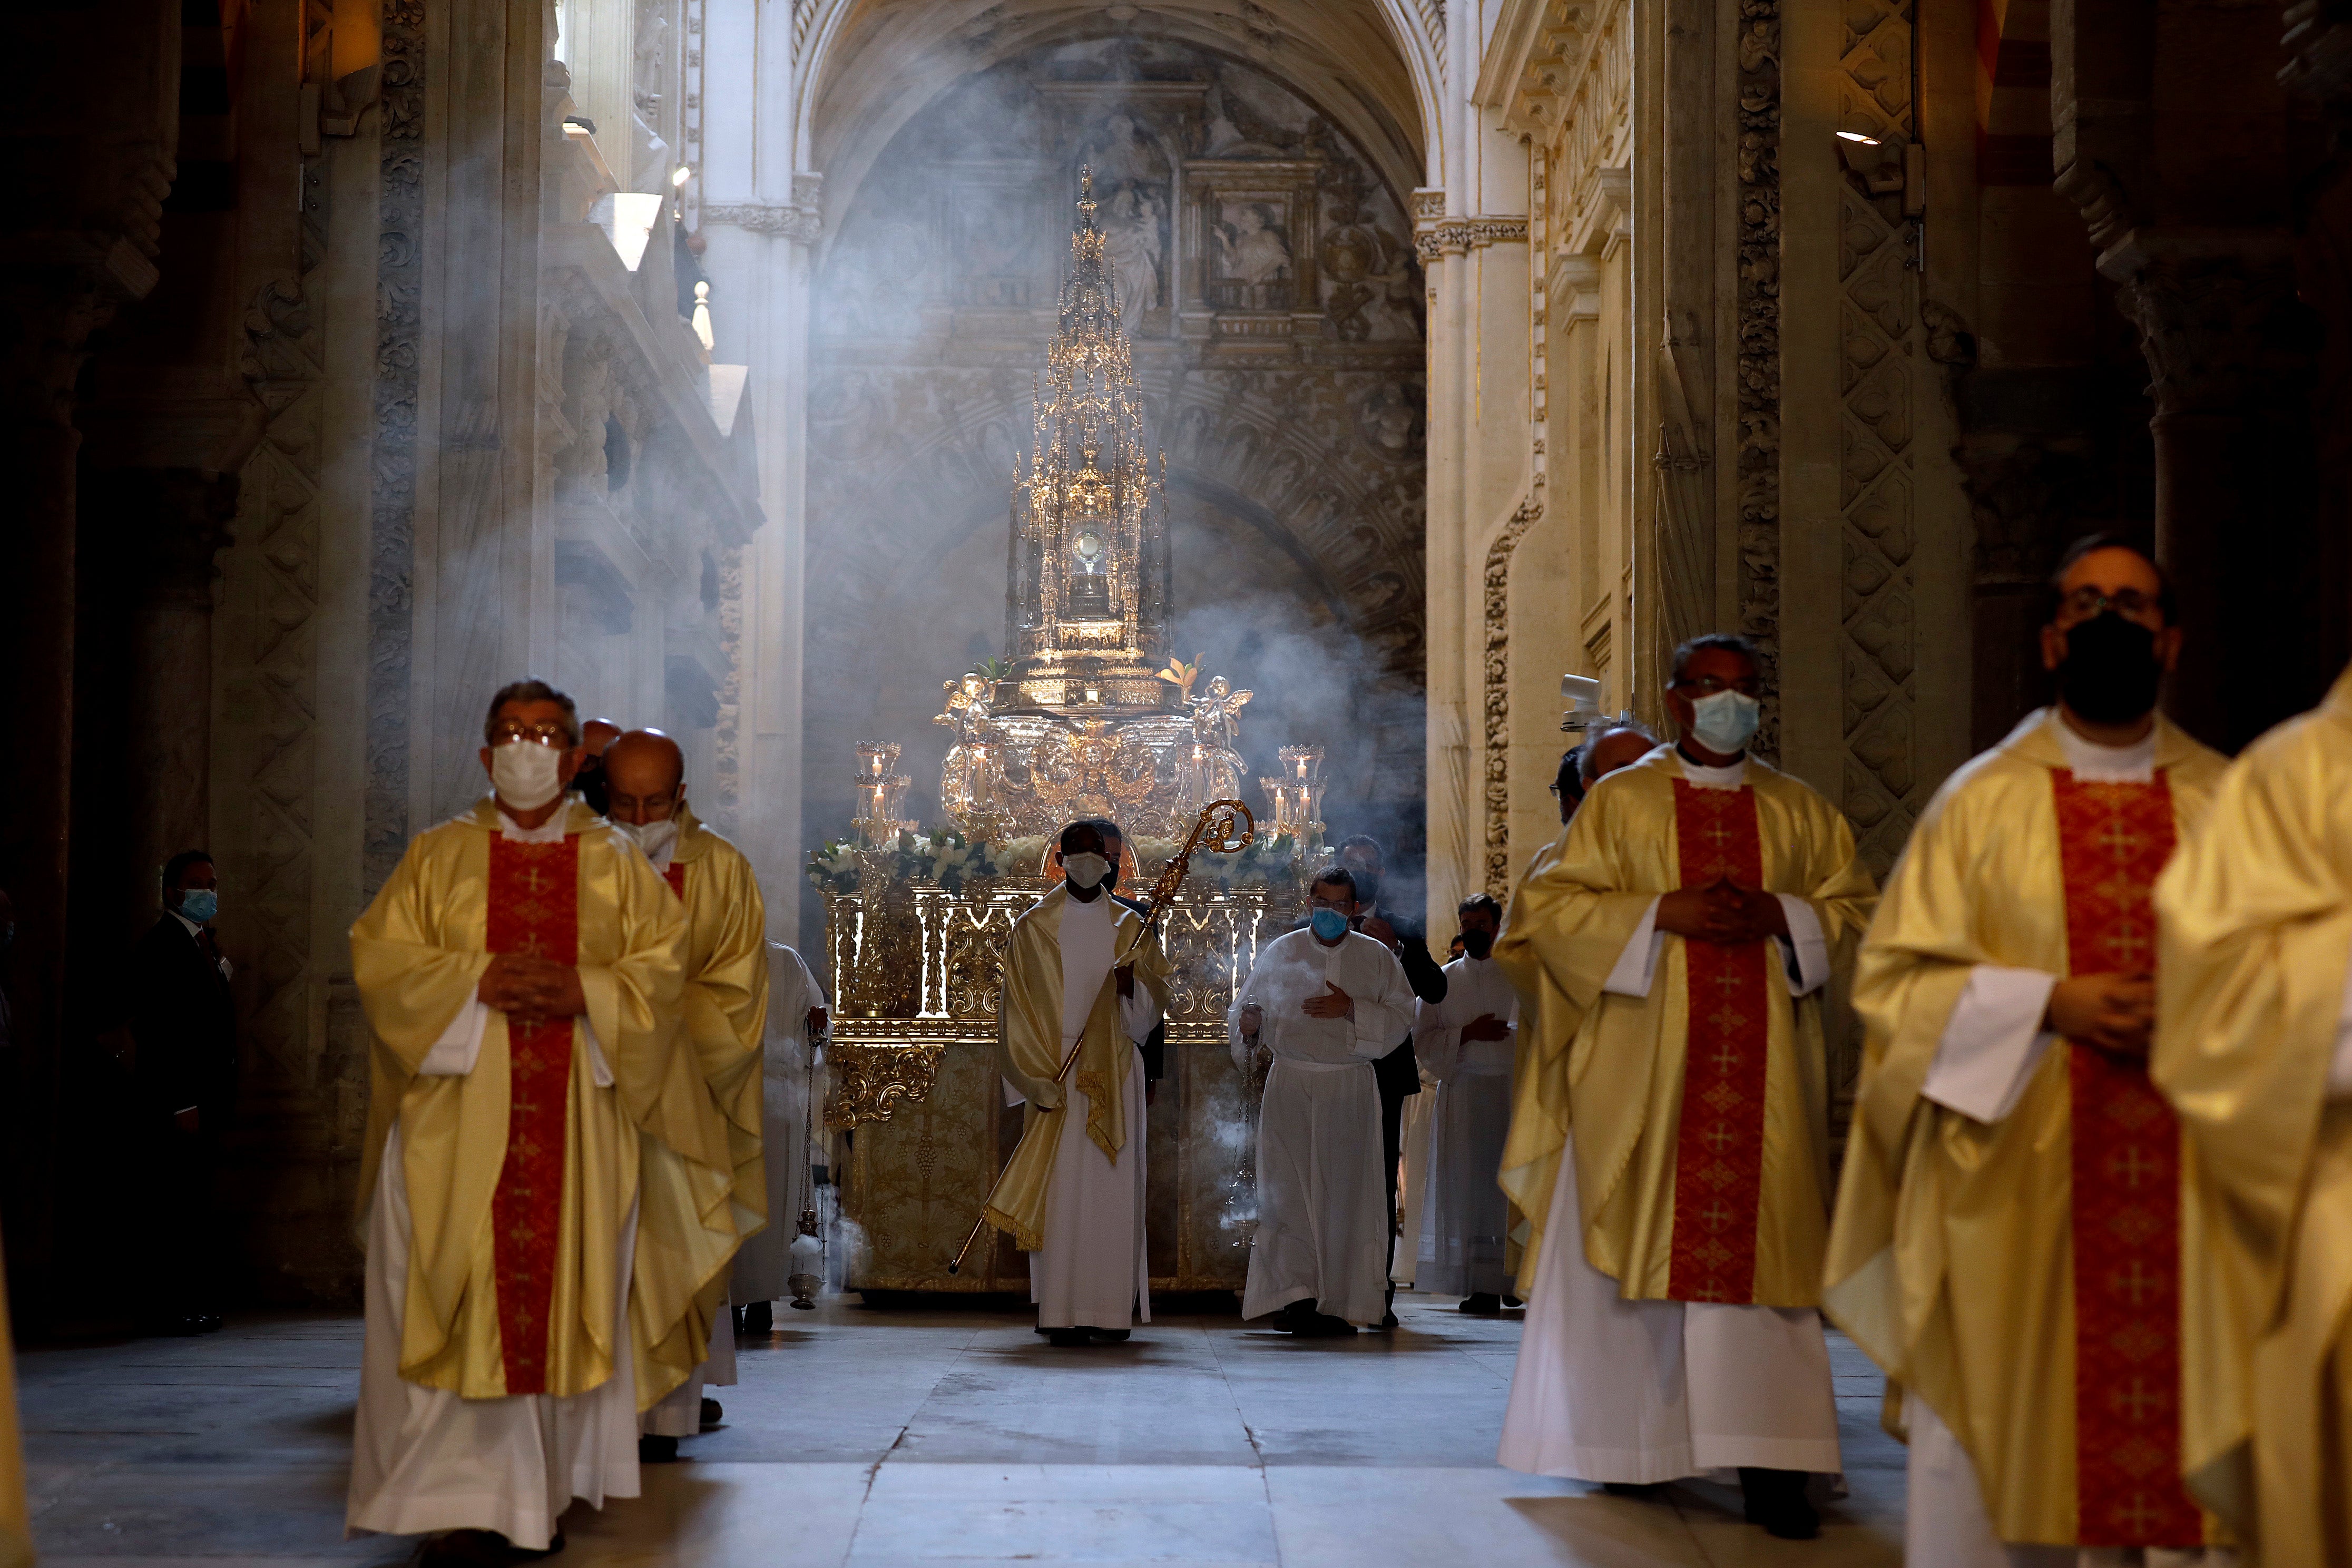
[(1459, 236), (800, 224), (2218, 317)]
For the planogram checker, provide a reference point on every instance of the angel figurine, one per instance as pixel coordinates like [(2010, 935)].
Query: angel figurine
[(1216, 738), (964, 771)]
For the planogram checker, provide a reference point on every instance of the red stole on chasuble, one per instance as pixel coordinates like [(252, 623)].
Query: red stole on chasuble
[(2113, 840), (674, 875), (1719, 1149), (534, 908)]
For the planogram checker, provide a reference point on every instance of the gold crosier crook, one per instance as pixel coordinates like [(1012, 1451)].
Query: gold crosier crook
[(1228, 827)]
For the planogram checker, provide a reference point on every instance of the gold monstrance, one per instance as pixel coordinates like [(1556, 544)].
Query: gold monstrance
[(1081, 721), (1087, 600)]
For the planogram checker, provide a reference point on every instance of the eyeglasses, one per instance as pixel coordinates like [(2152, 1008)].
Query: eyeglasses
[(547, 732), (2129, 603), (1708, 685), (1328, 904)]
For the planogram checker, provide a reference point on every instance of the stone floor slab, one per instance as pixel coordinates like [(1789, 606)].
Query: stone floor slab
[(942, 1437)]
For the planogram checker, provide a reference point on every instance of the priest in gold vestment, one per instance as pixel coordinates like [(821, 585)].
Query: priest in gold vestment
[(520, 975), (2254, 1050), (1080, 970), (2006, 1243), (1669, 1143), (691, 1223)]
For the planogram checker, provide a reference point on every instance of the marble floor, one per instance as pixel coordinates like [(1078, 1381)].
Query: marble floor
[(868, 1437)]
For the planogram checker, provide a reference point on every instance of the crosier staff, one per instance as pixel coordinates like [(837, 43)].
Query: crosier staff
[(1228, 827)]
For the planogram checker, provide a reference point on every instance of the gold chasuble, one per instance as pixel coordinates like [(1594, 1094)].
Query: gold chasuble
[(1029, 1049), (1701, 1109), (520, 1171), (700, 1204), (2024, 1275), (2254, 918)]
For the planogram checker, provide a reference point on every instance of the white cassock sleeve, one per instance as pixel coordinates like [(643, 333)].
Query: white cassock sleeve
[(1805, 952), (460, 1046), (1436, 1039), (1385, 1017), (1137, 1015), (1638, 963), (1992, 1042), (2339, 1067)]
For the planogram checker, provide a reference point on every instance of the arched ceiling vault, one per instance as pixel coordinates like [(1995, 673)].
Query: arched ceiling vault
[(1369, 66)]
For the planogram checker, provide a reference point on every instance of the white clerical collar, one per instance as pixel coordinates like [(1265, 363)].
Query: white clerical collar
[(548, 832), (1730, 776), (2094, 763)]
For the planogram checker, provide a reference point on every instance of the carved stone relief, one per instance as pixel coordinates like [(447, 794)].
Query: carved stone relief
[(1880, 353), (1759, 326), (392, 545), (1496, 679)]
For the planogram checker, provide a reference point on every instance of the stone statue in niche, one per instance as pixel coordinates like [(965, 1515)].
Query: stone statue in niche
[(1390, 422), (1255, 253), (1230, 130), (1132, 229), (1123, 155)]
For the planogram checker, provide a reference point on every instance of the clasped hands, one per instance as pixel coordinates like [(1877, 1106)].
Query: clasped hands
[(1722, 912), (1486, 1027), (2113, 1012), (533, 987), (1333, 1004)]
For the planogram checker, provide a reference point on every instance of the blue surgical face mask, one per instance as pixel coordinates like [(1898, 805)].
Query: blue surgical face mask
[(1328, 925), (1725, 721), (200, 904)]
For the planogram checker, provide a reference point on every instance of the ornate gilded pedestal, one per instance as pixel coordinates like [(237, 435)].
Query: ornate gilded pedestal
[(918, 1103)]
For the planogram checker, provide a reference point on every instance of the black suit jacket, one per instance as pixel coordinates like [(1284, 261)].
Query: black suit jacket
[(185, 1026), (1399, 1072)]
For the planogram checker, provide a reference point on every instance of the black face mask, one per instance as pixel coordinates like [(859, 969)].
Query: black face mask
[(1368, 890), (2110, 671), (1477, 943)]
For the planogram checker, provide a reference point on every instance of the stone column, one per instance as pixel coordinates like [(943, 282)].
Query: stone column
[(2172, 138), (151, 536), (48, 321), (100, 143), (2228, 354)]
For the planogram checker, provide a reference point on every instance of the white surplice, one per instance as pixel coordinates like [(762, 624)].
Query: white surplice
[(1323, 1225), (428, 1459), (1636, 1391), (1991, 1046), (763, 1263), (1415, 1128), (678, 1412), (1463, 1215), (1092, 1270)]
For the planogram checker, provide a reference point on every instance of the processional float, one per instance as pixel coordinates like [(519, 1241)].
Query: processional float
[(1090, 715)]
